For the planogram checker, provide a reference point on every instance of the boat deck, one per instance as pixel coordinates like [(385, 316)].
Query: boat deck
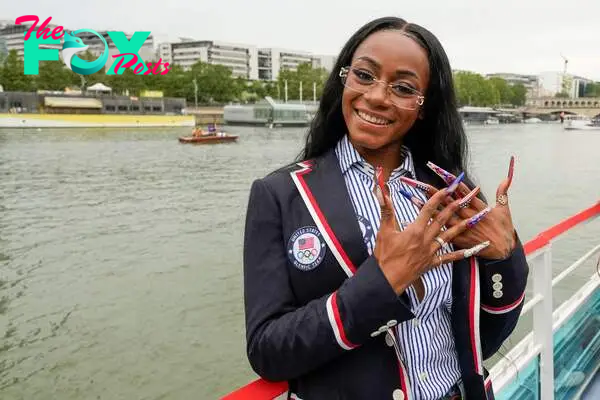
[(592, 392)]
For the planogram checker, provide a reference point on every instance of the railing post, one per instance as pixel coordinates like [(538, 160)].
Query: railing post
[(542, 320)]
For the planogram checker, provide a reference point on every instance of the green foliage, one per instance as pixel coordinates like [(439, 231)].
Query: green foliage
[(475, 90), (12, 77), (305, 74)]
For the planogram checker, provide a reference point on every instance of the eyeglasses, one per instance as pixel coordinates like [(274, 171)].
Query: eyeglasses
[(400, 94)]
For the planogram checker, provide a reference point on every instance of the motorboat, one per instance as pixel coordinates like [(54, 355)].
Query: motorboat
[(581, 122), (211, 135)]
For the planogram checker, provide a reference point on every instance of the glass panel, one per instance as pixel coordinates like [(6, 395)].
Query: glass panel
[(526, 385), (577, 349)]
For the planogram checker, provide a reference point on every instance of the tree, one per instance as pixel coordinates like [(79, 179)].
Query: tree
[(473, 89), (306, 74), (54, 75), (519, 94), (13, 76), (503, 89)]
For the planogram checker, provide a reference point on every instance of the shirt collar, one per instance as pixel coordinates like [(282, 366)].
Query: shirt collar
[(349, 157)]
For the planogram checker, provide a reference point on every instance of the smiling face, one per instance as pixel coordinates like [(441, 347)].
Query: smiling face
[(379, 117)]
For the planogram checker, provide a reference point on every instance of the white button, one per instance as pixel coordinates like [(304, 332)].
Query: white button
[(398, 394), (383, 328), (496, 277), (497, 294), (423, 376), (497, 286), (416, 322), (392, 322), (389, 340)]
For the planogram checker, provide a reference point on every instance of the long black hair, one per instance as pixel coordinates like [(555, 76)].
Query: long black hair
[(438, 137)]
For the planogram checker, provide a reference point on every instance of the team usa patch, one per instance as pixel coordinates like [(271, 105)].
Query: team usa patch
[(306, 248), (365, 228)]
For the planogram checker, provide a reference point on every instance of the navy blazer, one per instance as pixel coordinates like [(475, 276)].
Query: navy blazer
[(325, 326)]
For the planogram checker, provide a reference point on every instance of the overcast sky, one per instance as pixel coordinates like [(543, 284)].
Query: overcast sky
[(522, 36)]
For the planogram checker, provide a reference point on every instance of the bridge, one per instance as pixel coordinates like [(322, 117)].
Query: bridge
[(588, 106)]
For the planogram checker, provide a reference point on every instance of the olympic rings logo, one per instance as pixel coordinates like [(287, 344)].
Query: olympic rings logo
[(307, 254)]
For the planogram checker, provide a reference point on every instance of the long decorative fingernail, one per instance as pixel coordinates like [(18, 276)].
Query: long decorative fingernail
[(442, 173), (464, 203), (511, 169), (378, 189), (454, 185), (476, 249), (477, 217), (417, 202), (417, 184)]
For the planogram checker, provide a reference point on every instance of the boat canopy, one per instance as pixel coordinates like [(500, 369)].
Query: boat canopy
[(72, 102)]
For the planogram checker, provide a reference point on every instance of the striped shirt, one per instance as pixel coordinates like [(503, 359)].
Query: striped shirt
[(426, 342)]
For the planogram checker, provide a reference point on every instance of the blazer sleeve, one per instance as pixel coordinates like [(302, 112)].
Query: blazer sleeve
[(503, 284), (286, 339)]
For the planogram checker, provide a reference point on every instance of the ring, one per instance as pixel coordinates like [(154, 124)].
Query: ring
[(502, 199), (465, 204), (440, 241), (440, 257)]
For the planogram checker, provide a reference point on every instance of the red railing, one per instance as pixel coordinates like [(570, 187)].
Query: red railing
[(264, 390)]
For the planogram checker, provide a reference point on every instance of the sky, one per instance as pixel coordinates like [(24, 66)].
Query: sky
[(520, 36)]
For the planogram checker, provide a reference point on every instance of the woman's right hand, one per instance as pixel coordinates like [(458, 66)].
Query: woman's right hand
[(405, 255)]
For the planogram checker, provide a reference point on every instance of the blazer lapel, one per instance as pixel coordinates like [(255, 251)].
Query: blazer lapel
[(324, 192)]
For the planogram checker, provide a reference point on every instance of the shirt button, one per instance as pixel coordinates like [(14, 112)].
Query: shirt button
[(398, 394), (416, 322), (389, 340), (423, 376)]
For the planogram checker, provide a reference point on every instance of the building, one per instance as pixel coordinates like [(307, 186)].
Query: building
[(14, 37), (242, 59), (552, 83), (530, 82), (96, 47), (3, 49), (246, 61)]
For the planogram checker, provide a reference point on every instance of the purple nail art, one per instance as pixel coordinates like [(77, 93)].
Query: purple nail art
[(415, 184), (442, 173), (454, 185), (477, 217), (467, 199), (411, 197)]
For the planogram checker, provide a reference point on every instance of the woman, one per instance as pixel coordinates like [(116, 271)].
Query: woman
[(360, 289)]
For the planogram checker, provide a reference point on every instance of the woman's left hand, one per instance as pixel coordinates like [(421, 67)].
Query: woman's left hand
[(493, 224)]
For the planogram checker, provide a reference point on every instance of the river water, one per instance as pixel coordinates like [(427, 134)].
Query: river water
[(120, 250)]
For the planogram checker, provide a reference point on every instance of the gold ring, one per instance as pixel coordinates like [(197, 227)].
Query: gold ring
[(440, 241), (502, 199)]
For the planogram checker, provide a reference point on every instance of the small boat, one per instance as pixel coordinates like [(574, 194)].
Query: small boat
[(210, 136), (208, 139), (581, 122)]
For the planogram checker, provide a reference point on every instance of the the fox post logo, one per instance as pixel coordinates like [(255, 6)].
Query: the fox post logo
[(33, 53)]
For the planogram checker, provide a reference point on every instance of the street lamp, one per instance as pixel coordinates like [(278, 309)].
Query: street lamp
[(195, 93)]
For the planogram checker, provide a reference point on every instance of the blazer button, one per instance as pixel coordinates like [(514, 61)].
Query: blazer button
[(497, 286), (497, 294), (389, 340), (392, 322), (398, 394), (376, 333), (496, 278)]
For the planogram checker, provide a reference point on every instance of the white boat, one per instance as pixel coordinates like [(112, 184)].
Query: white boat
[(581, 122), (492, 121), (559, 359)]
